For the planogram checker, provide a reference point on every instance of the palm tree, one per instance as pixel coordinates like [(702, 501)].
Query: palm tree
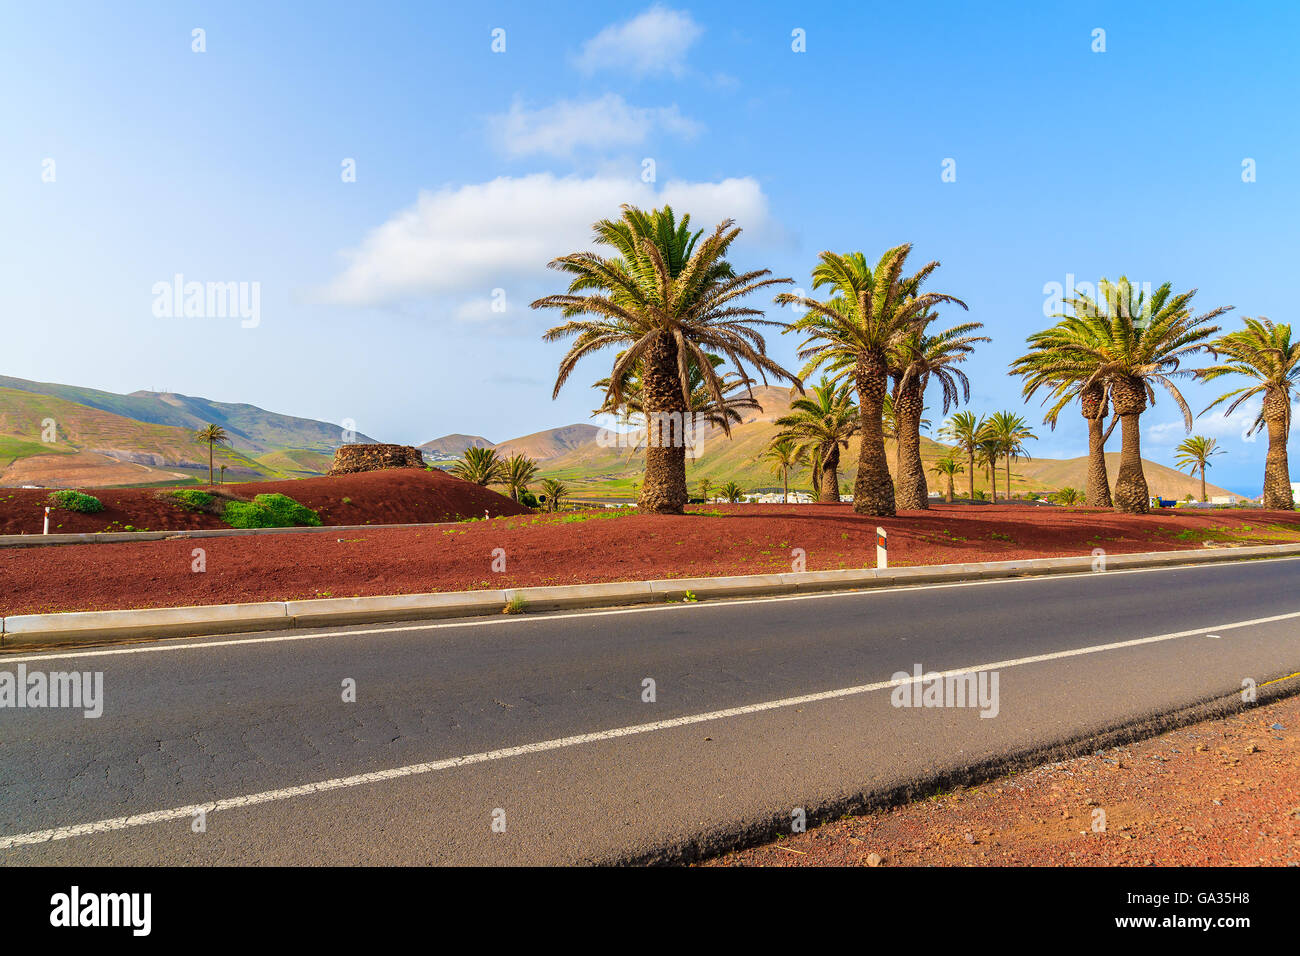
[(1044, 366), (555, 492), (732, 492), (212, 435), (1195, 453), (1132, 342), (1068, 496), (480, 465), (822, 422), (947, 467), (706, 486), (963, 430), (701, 402), (784, 454), (1265, 353), (853, 332), (987, 450), (516, 473), (1010, 431), (668, 298), (916, 360)]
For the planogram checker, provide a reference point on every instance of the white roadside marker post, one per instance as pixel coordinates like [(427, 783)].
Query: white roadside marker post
[(47, 520), (882, 548)]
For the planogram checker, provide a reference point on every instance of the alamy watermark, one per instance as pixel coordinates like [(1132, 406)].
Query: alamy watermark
[(78, 690), (661, 430), (179, 299), (969, 689)]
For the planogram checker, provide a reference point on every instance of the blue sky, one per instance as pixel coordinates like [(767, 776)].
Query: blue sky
[(474, 167)]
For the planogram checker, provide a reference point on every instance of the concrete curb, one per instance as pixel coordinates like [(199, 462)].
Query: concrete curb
[(94, 626), (120, 537)]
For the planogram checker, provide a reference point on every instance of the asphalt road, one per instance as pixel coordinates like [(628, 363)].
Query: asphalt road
[(761, 707)]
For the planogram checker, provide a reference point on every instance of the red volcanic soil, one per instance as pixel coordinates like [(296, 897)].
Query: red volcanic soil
[(392, 496), (589, 546)]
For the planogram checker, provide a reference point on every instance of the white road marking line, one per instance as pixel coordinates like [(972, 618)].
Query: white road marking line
[(412, 770), (200, 643)]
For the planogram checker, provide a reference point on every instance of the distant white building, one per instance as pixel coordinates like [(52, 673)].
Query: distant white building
[(1295, 491), (1228, 499)]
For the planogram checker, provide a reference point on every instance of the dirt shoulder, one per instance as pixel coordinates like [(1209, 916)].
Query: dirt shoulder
[(1220, 793), (585, 547)]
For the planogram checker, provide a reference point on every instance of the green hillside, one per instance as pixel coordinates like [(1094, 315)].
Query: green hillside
[(252, 429)]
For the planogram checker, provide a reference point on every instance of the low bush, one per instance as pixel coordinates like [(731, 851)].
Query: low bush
[(76, 501), (191, 500), (269, 511)]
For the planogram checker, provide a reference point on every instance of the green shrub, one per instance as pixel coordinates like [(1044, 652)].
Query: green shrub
[(269, 511), (76, 501)]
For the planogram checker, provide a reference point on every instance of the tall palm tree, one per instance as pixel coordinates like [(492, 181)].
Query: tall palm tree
[(918, 359), (1264, 352), (963, 430), (212, 435), (822, 422), (947, 467), (516, 473), (1132, 342), (668, 298), (481, 465), (554, 491), (853, 332), (1043, 367), (784, 454), (987, 450), (1195, 453), (1010, 431)]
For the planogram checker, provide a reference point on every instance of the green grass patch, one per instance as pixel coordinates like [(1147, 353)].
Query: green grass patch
[(269, 511), (191, 499), (70, 500)]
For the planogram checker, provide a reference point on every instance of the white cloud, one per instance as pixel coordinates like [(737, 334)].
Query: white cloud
[(605, 123), (655, 41), (463, 242), (1228, 429)]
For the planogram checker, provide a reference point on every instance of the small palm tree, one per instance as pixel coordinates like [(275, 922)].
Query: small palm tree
[(822, 422), (732, 492), (784, 454), (516, 473), (706, 487), (963, 430), (947, 467), (554, 491), (1067, 496), (1265, 353), (1010, 431), (853, 333), (481, 465), (212, 435), (1195, 453), (668, 298)]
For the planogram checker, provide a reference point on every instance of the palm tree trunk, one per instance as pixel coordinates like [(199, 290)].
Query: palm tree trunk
[(1094, 410), (1008, 477), (828, 491), (664, 489), (1204, 497), (993, 478), (1277, 470), (210, 479), (785, 485), (1131, 493), (913, 492), (948, 498), (972, 474), (873, 491)]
